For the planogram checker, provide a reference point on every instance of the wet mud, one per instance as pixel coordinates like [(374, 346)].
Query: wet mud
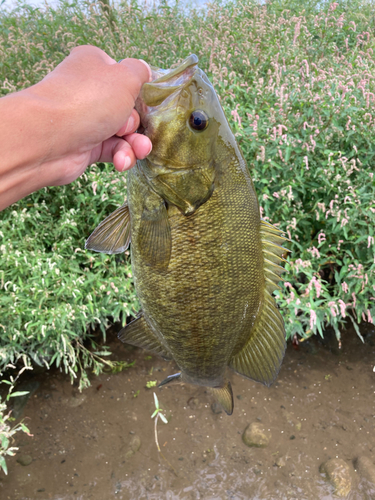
[(318, 415)]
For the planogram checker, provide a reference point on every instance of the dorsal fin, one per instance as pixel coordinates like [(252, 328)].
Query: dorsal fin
[(261, 357), (272, 238)]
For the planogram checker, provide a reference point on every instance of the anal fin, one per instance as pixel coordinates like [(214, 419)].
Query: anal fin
[(224, 396), (261, 357), (139, 334)]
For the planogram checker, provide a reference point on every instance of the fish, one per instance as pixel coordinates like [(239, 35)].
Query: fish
[(205, 264)]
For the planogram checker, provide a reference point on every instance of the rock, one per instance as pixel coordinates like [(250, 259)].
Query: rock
[(25, 459), (194, 404), (133, 447), (280, 462), (75, 401), (256, 435), (216, 408), (366, 468), (338, 474), (135, 443)]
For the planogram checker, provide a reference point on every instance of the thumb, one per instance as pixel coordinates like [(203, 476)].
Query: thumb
[(137, 72)]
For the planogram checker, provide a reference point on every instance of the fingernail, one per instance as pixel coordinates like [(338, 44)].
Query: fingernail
[(149, 69), (127, 163), (149, 150), (130, 125)]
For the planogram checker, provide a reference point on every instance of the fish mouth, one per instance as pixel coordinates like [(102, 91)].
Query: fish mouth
[(160, 76), (165, 82)]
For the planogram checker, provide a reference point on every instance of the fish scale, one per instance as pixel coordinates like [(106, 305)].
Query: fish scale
[(204, 263)]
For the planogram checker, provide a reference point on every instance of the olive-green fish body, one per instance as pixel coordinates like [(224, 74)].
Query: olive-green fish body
[(204, 263)]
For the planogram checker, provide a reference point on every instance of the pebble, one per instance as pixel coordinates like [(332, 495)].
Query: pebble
[(74, 401), (25, 460), (194, 404), (135, 443), (133, 447), (280, 462), (216, 408), (366, 468), (256, 435), (338, 474)]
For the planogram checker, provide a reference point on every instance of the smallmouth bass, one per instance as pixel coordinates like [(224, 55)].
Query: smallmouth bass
[(204, 263)]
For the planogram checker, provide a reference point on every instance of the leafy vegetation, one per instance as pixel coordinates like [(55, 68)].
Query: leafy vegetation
[(6, 430), (296, 79)]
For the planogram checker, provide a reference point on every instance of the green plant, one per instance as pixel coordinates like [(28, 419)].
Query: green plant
[(156, 415), (151, 383), (6, 431), (295, 82)]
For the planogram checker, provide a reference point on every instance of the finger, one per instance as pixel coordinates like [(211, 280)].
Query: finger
[(91, 52), (131, 124), (140, 144), (124, 159), (129, 62), (132, 74), (117, 151)]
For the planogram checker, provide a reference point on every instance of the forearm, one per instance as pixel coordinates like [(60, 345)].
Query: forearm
[(80, 113), (27, 133)]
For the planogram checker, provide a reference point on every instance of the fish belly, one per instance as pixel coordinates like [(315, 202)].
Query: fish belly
[(206, 302)]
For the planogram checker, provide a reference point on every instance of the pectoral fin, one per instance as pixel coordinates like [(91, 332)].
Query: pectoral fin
[(170, 379), (139, 334), (113, 234), (154, 237), (224, 396), (261, 357)]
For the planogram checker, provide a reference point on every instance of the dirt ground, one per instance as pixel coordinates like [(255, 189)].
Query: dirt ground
[(100, 444)]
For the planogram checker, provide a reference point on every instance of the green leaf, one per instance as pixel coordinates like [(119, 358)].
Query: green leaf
[(18, 393), (3, 465), (156, 401), (4, 441), (163, 418)]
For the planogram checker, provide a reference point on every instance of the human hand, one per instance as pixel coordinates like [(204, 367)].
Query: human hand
[(80, 113), (91, 99)]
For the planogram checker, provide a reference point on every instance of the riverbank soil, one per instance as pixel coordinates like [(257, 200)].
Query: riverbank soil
[(100, 444)]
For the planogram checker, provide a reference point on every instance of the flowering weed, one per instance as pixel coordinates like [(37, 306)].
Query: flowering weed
[(296, 81)]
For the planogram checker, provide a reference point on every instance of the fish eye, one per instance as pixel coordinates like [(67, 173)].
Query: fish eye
[(198, 120)]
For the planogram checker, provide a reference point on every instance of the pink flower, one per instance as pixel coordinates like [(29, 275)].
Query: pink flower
[(342, 308), (345, 287), (369, 317), (236, 116), (370, 241), (333, 307), (354, 299), (321, 238), (314, 252), (344, 222)]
